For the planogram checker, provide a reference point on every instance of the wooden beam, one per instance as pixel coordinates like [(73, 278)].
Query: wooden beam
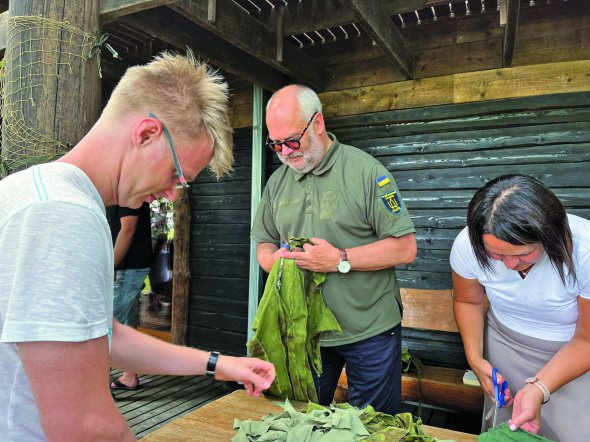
[(181, 274), (383, 31), (494, 84), (110, 10), (38, 119), (207, 45), (254, 38), (311, 15), (212, 11), (280, 26), (308, 16), (512, 13)]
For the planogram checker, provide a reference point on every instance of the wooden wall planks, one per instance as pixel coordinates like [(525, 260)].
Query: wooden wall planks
[(439, 156)]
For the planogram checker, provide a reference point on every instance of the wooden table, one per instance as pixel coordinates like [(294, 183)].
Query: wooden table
[(214, 421)]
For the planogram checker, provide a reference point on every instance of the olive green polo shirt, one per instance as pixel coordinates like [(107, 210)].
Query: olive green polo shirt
[(350, 200)]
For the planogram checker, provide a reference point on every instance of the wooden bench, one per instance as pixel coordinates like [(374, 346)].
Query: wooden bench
[(441, 386)]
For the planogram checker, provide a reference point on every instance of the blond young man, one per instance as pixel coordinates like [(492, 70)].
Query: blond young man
[(165, 122)]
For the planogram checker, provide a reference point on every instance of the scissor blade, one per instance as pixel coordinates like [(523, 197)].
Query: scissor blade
[(490, 413), (494, 419), (284, 242)]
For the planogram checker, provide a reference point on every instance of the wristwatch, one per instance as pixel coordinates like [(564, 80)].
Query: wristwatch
[(541, 386), (344, 264), (212, 363)]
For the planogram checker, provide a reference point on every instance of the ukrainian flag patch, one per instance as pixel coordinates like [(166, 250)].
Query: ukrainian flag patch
[(392, 202), (382, 180)]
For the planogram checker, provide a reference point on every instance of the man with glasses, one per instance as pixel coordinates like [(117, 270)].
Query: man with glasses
[(57, 333), (349, 205)]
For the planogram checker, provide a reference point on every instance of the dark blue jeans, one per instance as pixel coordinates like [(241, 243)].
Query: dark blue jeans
[(373, 369)]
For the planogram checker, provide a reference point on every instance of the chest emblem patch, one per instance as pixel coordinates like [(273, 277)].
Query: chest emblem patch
[(392, 202)]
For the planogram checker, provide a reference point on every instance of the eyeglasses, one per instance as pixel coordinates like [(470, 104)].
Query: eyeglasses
[(183, 184), (291, 143)]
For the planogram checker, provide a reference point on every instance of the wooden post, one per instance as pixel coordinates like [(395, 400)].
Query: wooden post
[(181, 279), (59, 95), (258, 168)]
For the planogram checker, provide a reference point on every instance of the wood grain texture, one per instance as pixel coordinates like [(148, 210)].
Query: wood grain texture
[(180, 286), (64, 103), (217, 418), (522, 81), (429, 309)]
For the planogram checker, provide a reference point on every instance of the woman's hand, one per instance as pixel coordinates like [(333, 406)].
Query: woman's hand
[(256, 375), (483, 371), (526, 413)]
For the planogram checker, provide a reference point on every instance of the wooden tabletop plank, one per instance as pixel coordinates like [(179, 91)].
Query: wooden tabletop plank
[(215, 421)]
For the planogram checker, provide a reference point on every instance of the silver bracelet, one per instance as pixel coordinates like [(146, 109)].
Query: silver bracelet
[(541, 386)]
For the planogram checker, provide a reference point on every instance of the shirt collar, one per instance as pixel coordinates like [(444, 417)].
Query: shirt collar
[(326, 163)]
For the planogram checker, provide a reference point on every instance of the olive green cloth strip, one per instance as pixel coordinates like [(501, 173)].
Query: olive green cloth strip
[(289, 321), (502, 433), (338, 423)]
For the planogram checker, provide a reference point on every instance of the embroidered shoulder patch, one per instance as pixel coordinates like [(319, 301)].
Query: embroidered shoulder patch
[(392, 202), (382, 180)]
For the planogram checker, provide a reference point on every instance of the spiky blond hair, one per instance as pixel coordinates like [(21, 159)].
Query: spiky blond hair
[(188, 95)]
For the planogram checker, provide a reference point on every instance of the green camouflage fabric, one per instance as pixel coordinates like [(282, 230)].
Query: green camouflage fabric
[(337, 423), (502, 433), (402, 427), (287, 327)]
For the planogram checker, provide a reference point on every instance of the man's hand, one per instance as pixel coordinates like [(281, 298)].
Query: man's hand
[(318, 257), (267, 254), (255, 374)]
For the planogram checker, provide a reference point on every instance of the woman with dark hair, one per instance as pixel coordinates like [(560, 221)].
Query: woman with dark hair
[(532, 260)]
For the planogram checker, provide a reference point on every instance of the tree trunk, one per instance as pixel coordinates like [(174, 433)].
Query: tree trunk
[(52, 90), (180, 286)]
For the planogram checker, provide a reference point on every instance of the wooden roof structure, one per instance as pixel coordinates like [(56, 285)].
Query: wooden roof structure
[(275, 42)]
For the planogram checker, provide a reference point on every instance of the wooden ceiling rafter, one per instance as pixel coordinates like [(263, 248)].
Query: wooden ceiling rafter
[(379, 27), (111, 10), (209, 46), (512, 13), (250, 35)]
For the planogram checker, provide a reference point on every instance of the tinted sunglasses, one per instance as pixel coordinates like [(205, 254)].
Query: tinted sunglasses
[(291, 143)]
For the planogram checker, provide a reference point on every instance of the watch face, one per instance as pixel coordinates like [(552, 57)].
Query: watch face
[(344, 266)]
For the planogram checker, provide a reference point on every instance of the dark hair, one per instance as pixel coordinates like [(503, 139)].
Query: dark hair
[(520, 210)]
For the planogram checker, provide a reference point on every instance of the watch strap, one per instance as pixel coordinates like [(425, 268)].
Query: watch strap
[(343, 255), (541, 386), (212, 363)]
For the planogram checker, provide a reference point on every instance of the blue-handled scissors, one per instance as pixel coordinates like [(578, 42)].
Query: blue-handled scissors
[(499, 390), (499, 393)]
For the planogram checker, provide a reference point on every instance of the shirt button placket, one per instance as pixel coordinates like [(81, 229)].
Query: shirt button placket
[(308, 196)]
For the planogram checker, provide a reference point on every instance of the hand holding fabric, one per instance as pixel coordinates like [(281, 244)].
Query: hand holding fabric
[(256, 375), (527, 409), (321, 256)]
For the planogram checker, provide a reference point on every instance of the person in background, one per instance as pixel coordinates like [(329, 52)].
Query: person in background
[(532, 260), (161, 273), (131, 231), (164, 123), (349, 205)]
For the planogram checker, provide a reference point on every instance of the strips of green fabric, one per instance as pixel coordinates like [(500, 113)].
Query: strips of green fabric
[(287, 327), (341, 423), (502, 433)]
